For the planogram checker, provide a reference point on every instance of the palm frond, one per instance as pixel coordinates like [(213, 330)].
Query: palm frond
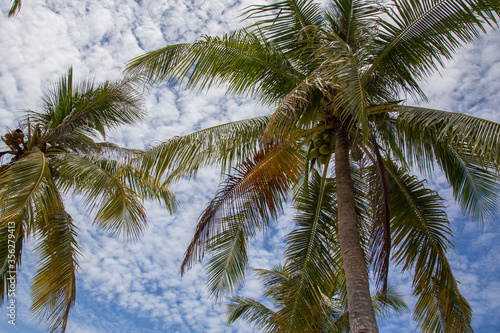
[(118, 207), (419, 35), (87, 109), (476, 189), (244, 61), (249, 199), (388, 301), (312, 255), (289, 24), (224, 144), (420, 126), (420, 233), (380, 197), (353, 21), (15, 8), (251, 311), (340, 67), (466, 148), (299, 110), (28, 193), (54, 286)]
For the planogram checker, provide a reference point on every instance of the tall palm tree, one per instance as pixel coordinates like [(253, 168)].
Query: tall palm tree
[(337, 76), (54, 153)]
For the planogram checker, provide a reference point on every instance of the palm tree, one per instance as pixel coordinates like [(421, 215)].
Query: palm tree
[(54, 153), (337, 76)]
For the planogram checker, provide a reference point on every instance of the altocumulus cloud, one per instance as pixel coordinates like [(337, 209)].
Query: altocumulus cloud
[(136, 287)]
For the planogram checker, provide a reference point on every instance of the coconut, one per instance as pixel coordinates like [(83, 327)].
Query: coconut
[(322, 159), (318, 143), (324, 149), (327, 138), (317, 136), (315, 153)]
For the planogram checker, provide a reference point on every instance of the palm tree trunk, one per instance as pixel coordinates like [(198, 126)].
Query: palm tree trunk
[(361, 313)]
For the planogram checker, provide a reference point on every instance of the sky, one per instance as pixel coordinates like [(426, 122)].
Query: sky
[(136, 287)]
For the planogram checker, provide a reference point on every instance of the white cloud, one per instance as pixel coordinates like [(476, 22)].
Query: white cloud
[(124, 287)]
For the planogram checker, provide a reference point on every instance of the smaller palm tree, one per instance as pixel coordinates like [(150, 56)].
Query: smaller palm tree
[(331, 316), (54, 153)]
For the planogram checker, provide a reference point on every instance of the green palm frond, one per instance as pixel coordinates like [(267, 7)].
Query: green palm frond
[(246, 63), (334, 317), (299, 110), (420, 212), (476, 189), (251, 311), (118, 208), (311, 254), (380, 198), (249, 199), (107, 150), (223, 144), (342, 69), (28, 193), (54, 285), (466, 148), (353, 21), (136, 179), (86, 109), (420, 35), (421, 126), (15, 8), (289, 24), (388, 301), (272, 280)]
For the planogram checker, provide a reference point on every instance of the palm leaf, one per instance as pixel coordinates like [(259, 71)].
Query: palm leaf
[(86, 109), (419, 126), (54, 286), (353, 21), (246, 63), (420, 232), (419, 35), (15, 8), (118, 207), (464, 147), (28, 193), (251, 311), (312, 255), (223, 144), (248, 199), (475, 188), (380, 197), (289, 24)]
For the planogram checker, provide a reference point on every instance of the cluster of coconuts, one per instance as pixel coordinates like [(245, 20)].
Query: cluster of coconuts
[(16, 136), (322, 147), (323, 144)]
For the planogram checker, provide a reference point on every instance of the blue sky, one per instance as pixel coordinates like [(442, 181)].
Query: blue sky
[(124, 287)]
